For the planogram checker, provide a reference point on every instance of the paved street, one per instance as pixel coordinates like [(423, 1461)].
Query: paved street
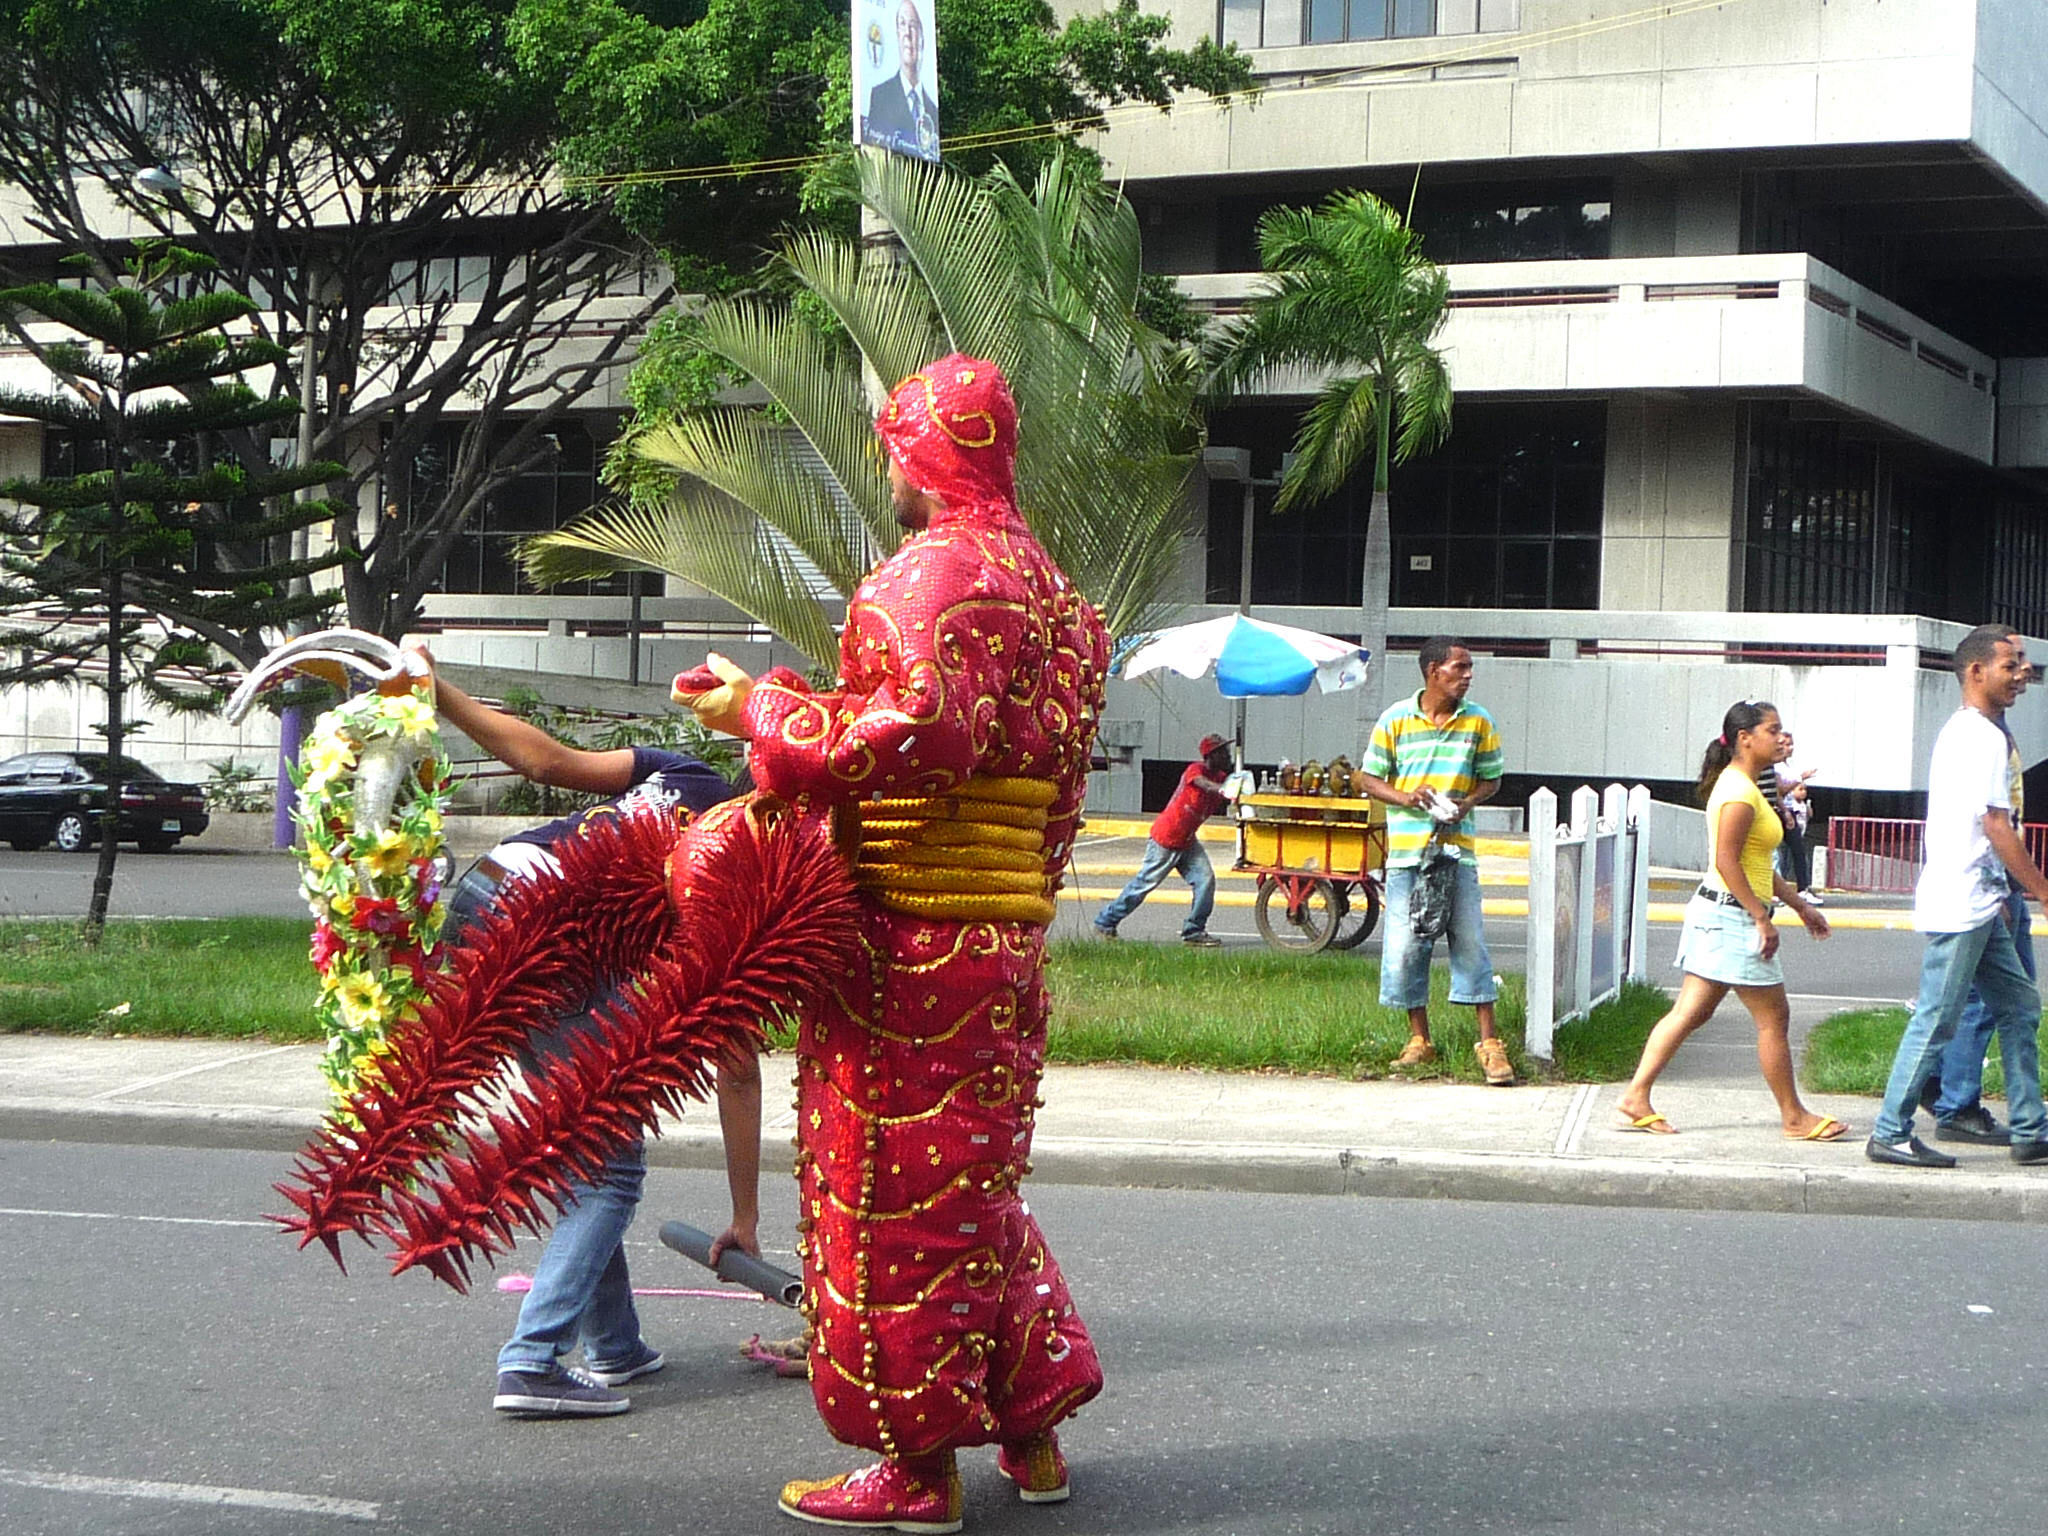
[(1277, 1364)]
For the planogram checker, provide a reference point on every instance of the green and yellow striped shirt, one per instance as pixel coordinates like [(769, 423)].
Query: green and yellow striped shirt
[(1411, 751)]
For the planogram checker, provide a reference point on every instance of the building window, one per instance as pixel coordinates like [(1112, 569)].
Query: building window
[(1812, 520), (1458, 222), (554, 491), (1290, 23), (1507, 514)]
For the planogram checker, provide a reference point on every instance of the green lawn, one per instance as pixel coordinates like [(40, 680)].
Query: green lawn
[(244, 976), (1852, 1053), (1235, 1009)]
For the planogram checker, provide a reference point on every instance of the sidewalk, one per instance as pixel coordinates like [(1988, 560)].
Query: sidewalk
[(1143, 1127)]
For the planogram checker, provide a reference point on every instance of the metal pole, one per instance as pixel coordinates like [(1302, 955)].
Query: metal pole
[(1244, 591), (290, 727)]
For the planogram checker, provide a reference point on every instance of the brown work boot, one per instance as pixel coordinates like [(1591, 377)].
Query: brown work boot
[(1418, 1052), (1493, 1061)]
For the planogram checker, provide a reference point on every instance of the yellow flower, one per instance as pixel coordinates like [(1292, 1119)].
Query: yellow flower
[(389, 855), (317, 859), (412, 714), (362, 1001), (344, 904), (330, 754)]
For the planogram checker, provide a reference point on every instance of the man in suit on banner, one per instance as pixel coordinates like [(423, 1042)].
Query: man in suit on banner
[(901, 114)]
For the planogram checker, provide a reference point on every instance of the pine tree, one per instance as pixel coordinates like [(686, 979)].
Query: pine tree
[(163, 555)]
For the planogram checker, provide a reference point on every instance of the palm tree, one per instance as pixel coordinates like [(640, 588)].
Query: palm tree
[(748, 502), (1348, 295)]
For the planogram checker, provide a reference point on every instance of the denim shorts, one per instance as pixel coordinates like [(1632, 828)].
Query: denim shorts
[(1404, 959), (1719, 944)]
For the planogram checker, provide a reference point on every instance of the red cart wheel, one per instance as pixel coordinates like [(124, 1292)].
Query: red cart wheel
[(1308, 911)]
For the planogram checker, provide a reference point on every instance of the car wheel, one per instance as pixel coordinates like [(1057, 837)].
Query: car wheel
[(71, 831), (27, 844)]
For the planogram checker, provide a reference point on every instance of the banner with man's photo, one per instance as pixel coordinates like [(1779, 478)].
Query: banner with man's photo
[(896, 77)]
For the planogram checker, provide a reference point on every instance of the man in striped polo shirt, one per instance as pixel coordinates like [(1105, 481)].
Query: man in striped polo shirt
[(1433, 758)]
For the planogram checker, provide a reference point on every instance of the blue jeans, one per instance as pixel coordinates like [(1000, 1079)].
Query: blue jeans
[(1404, 959), (1961, 1078), (1986, 958), (581, 1290), (1194, 868)]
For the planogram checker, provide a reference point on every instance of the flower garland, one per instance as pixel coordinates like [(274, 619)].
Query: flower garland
[(375, 893)]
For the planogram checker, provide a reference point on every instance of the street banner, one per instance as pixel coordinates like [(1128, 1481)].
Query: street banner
[(896, 77)]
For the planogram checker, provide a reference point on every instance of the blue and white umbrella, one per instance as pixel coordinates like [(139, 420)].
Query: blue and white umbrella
[(1251, 658)]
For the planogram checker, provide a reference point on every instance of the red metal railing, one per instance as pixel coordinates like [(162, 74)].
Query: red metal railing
[(1876, 853)]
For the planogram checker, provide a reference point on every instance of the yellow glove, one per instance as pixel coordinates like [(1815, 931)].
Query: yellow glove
[(721, 706)]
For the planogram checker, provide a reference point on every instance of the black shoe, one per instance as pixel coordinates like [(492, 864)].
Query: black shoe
[(2030, 1151), (1973, 1125), (1201, 941), (543, 1394), (1910, 1153)]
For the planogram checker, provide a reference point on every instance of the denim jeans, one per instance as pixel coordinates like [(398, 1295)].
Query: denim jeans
[(1159, 862), (1404, 959), (1962, 1064), (1986, 958), (581, 1290)]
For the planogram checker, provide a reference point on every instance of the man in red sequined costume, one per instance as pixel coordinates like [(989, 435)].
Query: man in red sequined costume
[(955, 752)]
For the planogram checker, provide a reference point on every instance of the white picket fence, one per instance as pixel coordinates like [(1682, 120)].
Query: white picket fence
[(1589, 904)]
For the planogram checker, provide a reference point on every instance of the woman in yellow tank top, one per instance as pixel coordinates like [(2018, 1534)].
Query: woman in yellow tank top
[(1730, 941)]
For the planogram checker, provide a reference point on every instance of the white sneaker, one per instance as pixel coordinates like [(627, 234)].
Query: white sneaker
[(1812, 898)]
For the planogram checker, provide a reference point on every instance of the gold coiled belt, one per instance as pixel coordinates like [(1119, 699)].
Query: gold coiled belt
[(975, 853)]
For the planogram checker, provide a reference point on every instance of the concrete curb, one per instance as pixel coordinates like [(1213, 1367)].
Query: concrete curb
[(1261, 1168)]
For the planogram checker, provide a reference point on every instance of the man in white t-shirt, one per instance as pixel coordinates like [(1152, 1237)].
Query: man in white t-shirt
[(1974, 858)]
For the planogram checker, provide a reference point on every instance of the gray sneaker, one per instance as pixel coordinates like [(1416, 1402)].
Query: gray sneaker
[(1201, 941), (616, 1373), (557, 1392)]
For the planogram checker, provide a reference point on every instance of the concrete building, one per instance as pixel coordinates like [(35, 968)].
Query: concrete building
[(1749, 338)]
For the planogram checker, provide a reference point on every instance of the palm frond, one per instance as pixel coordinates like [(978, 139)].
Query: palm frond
[(701, 537), (885, 308), (1338, 432), (744, 456), (814, 384)]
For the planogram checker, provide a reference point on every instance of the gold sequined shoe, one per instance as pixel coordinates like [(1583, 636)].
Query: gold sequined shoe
[(1036, 1467), (922, 1496)]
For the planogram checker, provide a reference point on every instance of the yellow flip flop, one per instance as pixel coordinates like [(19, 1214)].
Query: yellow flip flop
[(1647, 1124), (1827, 1128)]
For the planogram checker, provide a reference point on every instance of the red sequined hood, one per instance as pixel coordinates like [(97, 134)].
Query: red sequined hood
[(953, 429)]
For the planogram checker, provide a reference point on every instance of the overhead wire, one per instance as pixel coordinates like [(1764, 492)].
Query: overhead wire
[(1350, 77)]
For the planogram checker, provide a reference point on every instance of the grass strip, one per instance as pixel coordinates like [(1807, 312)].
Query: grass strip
[(1852, 1053), (1236, 1009), (235, 978)]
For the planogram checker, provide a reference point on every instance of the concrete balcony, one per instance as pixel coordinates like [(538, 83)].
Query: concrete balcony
[(1762, 324)]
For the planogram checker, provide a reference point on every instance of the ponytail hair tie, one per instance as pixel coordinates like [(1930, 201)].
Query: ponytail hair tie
[(1722, 738)]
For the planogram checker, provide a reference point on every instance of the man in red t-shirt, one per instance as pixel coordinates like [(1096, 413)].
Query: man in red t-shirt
[(1174, 845)]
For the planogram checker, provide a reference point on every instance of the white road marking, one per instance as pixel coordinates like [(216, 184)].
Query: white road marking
[(192, 1493), (172, 1221), (1576, 1114), (172, 1077)]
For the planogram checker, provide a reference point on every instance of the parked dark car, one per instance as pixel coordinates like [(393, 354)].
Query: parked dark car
[(56, 797)]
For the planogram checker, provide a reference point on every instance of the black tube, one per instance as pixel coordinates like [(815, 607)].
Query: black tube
[(739, 1267)]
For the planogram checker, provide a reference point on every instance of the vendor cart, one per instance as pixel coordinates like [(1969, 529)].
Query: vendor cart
[(1318, 859)]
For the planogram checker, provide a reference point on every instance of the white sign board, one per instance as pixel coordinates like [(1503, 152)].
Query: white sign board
[(896, 77)]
